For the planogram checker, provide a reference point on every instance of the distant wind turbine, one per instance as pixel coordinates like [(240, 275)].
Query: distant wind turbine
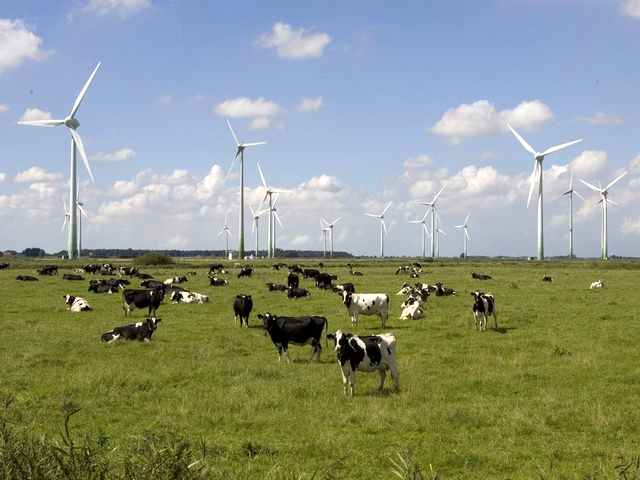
[(570, 192), (383, 228), (432, 209), (269, 191), (240, 151), (437, 234), (536, 177), (254, 227), (76, 144), (604, 254), (330, 227), (465, 236), (323, 238), (227, 234), (82, 212), (424, 232)]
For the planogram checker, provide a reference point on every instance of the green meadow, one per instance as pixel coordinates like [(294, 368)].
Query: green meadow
[(552, 393)]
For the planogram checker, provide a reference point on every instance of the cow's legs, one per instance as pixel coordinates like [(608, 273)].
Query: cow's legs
[(352, 382), (345, 382), (354, 320), (395, 376), (383, 375), (383, 318), (495, 320), (286, 352)]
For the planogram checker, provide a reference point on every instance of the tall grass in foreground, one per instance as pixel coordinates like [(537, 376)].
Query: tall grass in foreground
[(551, 393)]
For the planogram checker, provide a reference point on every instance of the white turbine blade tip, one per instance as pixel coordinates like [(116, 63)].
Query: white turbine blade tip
[(83, 92), (522, 141), (559, 147)]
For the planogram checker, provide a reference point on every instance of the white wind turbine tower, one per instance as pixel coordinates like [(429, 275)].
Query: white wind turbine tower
[(465, 237), (240, 151), (383, 228), (82, 212), (438, 232), (536, 177), (604, 254), (425, 232), (432, 209), (269, 191), (76, 144), (323, 238), (254, 228), (570, 192), (330, 227), (227, 234)]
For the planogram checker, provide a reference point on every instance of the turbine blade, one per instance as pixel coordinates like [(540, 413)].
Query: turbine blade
[(233, 162), (372, 215), (78, 140), (64, 224), (533, 180), (591, 186), (522, 141), (559, 147), (387, 208), (264, 182), (253, 144), (41, 123), (275, 214), (611, 184), (82, 210), (233, 133), (467, 219), (384, 227), (579, 196), (335, 221), (82, 93), (466, 233), (437, 196)]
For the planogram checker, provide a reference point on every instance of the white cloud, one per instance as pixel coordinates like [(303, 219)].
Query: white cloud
[(122, 8), (118, 156), (631, 8), (3, 176), (309, 104), (37, 174), (418, 162), (4, 107), (18, 43), (588, 164), (601, 118), (35, 114), (245, 107), (324, 183), (481, 117), (294, 44)]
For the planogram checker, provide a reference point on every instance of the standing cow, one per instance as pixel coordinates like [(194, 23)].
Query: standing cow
[(367, 354), (366, 304), (483, 306), (242, 306), (132, 299), (295, 330)]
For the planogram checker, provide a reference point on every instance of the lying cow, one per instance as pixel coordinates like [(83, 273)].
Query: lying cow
[(598, 284), (76, 304), (72, 276), (547, 278), (412, 309), (140, 331), (295, 330), (183, 296), (297, 292), (132, 299), (176, 280), (366, 304), (242, 306), (218, 282), (26, 278), (367, 354), (483, 306), (102, 288), (275, 287)]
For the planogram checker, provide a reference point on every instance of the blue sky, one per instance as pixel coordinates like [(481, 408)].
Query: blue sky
[(361, 103)]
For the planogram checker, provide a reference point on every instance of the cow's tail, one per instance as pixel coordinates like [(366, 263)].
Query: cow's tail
[(326, 326)]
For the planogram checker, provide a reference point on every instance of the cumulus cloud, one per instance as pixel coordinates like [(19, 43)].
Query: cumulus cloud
[(261, 110), (119, 156), (4, 107), (17, 44), (3, 176), (417, 162), (309, 104), (37, 174), (323, 183), (601, 118), (481, 118), (631, 226), (122, 8), (588, 163), (35, 114), (631, 8), (294, 44)]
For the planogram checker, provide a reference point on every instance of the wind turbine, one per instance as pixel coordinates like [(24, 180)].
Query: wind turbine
[(438, 232), (465, 237), (425, 232), (570, 192), (227, 233), (330, 227), (383, 228), (269, 191), (67, 214), (254, 227), (604, 200), (76, 144), (274, 212), (323, 238), (432, 209), (536, 177), (240, 151), (82, 212)]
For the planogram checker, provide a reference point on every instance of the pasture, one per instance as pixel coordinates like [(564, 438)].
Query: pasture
[(552, 393)]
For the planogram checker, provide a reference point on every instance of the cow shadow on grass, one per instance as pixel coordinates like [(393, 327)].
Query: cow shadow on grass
[(502, 330)]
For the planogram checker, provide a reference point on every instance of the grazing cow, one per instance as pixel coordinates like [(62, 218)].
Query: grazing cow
[(344, 287), (132, 299), (323, 280), (188, 297), (217, 282), (26, 278), (295, 330), (483, 306), (293, 280), (297, 292), (102, 288), (274, 287), (547, 278), (140, 331), (245, 272), (216, 268), (310, 272), (72, 276), (480, 276), (295, 269), (91, 268), (597, 284), (366, 304), (4, 265), (412, 309), (367, 354), (278, 266), (444, 291), (76, 304), (174, 280), (48, 270), (130, 271), (242, 306), (355, 273)]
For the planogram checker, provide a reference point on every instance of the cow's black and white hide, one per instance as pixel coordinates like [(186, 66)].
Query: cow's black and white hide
[(184, 296), (344, 287), (366, 304), (245, 272), (26, 278), (102, 288), (412, 310), (76, 304), (274, 287), (151, 299), (242, 306), (218, 282), (141, 331), (295, 330), (483, 307), (297, 292)]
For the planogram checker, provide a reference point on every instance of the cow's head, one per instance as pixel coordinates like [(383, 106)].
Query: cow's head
[(346, 298), (152, 323), (267, 319), (340, 339), (68, 299)]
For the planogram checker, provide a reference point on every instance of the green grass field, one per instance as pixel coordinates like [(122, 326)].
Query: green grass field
[(552, 393)]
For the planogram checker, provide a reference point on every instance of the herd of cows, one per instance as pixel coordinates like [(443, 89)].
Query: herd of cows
[(354, 352)]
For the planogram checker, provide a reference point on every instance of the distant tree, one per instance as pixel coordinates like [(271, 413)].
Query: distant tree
[(154, 258), (33, 252)]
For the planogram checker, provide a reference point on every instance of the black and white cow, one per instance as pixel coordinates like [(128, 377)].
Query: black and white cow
[(218, 282), (275, 287), (130, 271), (483, 306), (245, 272), (76, 304), (323, 280), (242, 306), (412, 310), (102, 288), (48, 270), (296, 331), (91, 268), (367, 354), (176, 280), (444, 291), (26, 278), (344, 287), (366, 304), (310, 272), (480, 276), (184, 296), (297, 292), (216, 268), (72, 276), (4, 265), (132, 299), (140, 331), (547, 278)]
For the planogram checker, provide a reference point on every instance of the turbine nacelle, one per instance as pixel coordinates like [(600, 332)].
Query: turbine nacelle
[(71, 122)]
